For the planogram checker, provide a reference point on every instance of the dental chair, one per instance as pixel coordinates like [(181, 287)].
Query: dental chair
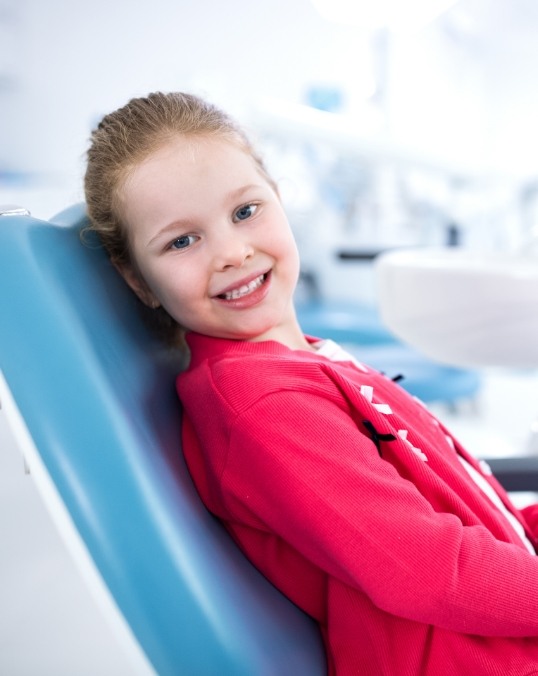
[(89, 395)]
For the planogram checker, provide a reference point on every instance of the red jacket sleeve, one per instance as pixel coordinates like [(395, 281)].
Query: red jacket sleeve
[(316, 481), (531, 517)]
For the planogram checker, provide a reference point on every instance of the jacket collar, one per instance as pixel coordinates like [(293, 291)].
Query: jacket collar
[(206, 347)]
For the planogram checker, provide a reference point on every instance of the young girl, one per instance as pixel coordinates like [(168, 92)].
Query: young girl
[(340, 487)]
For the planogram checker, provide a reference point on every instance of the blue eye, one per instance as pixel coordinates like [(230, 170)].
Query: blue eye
[(245, 212), (183, 242)]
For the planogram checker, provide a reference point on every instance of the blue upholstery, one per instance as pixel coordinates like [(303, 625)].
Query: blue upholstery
[(96, 392)]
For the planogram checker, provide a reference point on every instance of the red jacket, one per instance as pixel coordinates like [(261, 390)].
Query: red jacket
[(345, 492)]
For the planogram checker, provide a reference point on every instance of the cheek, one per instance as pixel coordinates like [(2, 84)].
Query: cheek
[(154, 281), (177, 286), (279, 235), (289, 251)]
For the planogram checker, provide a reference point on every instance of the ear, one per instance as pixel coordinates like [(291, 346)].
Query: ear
[(137, 284)]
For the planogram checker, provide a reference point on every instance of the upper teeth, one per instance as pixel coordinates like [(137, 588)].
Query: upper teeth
[(245, 289)]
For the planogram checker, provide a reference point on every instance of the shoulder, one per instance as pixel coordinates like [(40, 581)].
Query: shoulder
[(242, 380)]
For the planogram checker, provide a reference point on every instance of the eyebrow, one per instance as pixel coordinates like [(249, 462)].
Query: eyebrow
[(167, 228), (236, 194), (185, 223)]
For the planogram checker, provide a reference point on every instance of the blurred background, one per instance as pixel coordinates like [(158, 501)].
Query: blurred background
[(385, 124), (410, 122)]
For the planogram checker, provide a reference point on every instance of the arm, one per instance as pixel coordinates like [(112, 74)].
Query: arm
[(531, 516), (317, 482)]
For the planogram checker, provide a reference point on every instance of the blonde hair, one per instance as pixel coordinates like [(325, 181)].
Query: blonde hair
[(125, 138)]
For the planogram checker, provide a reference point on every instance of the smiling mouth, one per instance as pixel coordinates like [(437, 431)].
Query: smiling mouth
[(245, 289)]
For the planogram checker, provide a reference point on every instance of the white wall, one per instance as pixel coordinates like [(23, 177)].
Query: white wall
[(78, 60), (459, 91)]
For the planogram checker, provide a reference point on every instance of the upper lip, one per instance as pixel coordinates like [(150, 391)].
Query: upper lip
[(241, 282)]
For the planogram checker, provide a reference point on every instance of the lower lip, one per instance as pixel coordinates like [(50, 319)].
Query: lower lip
[(250, 299)]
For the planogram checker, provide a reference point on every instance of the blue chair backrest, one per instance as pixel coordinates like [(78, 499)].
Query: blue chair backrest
[(96, 392)]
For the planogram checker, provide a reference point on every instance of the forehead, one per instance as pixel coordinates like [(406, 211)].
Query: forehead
[(189, 162), (186, 171), (192, 153)]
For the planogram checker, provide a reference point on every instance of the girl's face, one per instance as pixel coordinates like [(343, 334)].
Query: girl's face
[(211, 243)]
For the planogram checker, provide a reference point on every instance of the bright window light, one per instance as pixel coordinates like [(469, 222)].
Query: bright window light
[(398, 15)]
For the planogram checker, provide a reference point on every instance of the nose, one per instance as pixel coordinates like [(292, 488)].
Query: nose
[(232, 252)]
